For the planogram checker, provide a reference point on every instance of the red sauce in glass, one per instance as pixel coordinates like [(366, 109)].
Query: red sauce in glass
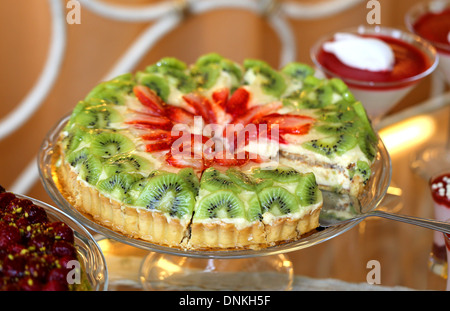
[(409, 62), (434, 27), (441, 197)]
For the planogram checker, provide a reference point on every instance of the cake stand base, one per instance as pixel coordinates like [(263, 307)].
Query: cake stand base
[(169, 272)]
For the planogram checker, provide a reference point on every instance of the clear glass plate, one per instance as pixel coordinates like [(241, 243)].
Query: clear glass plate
[(372, 196), (89, 251)]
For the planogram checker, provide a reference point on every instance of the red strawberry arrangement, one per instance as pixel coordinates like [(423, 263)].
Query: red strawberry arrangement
[(231, 111), (34, 252)]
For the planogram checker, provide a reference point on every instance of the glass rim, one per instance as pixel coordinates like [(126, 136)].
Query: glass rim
[(410, 38), (417, 11)]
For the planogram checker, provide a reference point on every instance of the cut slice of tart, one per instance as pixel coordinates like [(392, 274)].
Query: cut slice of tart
[(241, 210)]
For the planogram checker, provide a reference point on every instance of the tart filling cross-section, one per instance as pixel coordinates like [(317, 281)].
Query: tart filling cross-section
[(216, 155)]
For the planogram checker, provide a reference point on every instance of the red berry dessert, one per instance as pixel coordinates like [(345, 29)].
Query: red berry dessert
[(431, 21), (380, 65), (440, 191), (215, 155), (34, 252)]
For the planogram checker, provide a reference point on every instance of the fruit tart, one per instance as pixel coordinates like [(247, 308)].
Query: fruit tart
[(216, 155), (36, 254)]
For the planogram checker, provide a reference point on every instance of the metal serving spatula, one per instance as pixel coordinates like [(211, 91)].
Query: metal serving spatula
[(341, 208)]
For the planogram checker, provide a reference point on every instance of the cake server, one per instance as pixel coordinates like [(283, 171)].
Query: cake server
[(341, 208)]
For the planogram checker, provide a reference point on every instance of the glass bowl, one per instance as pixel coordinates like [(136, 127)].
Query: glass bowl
[(372, 196), (89, 252)]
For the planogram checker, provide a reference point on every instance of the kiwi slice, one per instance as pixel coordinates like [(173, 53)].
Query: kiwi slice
[(297, 71), (273, 82), (96, 116), (340, 111), (118, 185), (191, 179), (206, 76), (365, 122), (126, 163), (154, 82), (169, 63), (337, 128), (108, 144), (281, 174), (234, 70), (246, 181), (362, 169), (332, 145), (220, 204), (75, 136), (241, 179), (167, 193), (278, 201), (368, 147), (113, 91), (254, 211), (307, 190), (174, 71), (88, 165), (213, 180), (136, 188), (208, 59)]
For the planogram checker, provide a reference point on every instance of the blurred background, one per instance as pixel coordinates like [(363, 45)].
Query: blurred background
[(94, 45)]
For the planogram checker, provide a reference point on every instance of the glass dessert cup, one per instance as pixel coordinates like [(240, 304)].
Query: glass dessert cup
[(432, 159), (89, 253), (379, 97), (170, 268)]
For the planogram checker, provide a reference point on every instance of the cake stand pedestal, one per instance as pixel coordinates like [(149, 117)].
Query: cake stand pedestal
[(168, 272)]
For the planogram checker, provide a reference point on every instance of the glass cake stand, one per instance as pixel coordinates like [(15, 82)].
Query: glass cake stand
[(172, 268), (89, 252)]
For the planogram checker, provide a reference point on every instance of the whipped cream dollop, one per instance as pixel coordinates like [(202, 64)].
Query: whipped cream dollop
[(362, 53)]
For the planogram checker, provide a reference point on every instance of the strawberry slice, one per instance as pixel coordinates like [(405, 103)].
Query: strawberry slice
[(151, 122), (149, 98), (237, 104), (182, 161), (159, 146), (257, 112), (156, 135), (200, 107), (179, 115), (218, 106), (288, 123), (220, 97)]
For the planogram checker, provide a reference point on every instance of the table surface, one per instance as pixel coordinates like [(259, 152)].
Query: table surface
[(402, 250)]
